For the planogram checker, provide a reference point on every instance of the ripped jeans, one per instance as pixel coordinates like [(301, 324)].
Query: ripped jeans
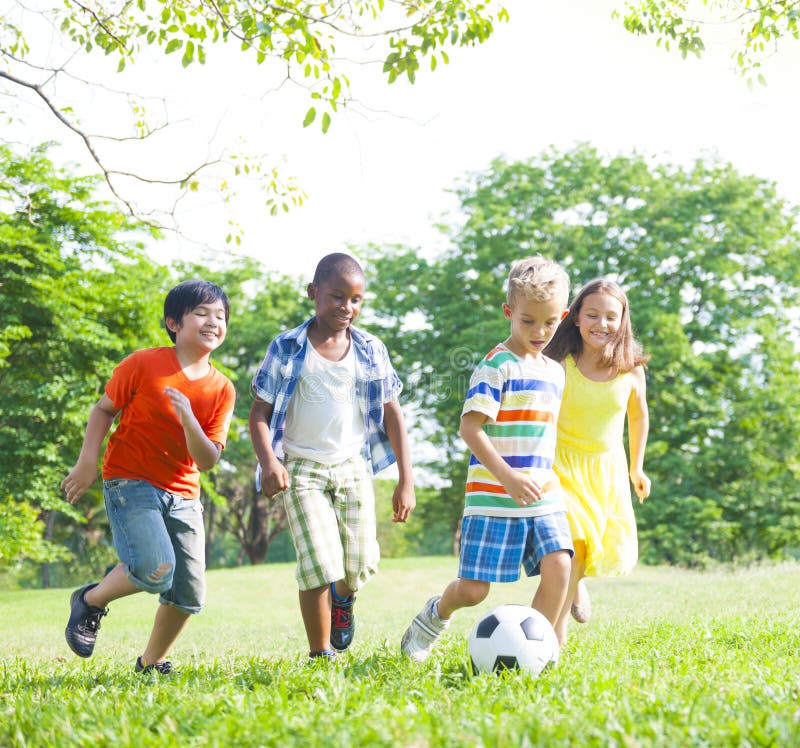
[(161, 540)]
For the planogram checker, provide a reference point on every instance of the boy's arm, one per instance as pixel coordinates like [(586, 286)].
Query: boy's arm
[(203, 451), (403, 499), (85, 471), (638, 427), (274, 477), (519, 486)]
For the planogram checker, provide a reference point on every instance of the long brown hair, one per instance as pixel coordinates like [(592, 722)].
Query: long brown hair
[(622, 353)]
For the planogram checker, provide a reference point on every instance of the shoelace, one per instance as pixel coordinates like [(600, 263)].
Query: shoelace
[(92, 622), (341, 618)]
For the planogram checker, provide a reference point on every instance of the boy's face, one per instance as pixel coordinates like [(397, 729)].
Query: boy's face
[(533, 323), (337, 300), (203, 328)]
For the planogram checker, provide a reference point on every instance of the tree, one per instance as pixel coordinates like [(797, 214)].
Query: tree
[(760, 25), (708, 258), (75, 295), (314, 45)]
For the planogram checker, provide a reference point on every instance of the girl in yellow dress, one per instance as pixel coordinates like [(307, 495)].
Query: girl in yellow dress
[(605, 380)]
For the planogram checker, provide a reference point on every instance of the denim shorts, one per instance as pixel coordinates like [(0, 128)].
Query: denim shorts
[(494, 548), (160, 538)]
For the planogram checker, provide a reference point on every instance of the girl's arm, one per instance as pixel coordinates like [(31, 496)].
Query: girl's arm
[(519, 486), (638, 426), (403, 499), (85, 471)]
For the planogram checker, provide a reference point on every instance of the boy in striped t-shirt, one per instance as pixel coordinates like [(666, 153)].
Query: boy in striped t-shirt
[(514, 513)]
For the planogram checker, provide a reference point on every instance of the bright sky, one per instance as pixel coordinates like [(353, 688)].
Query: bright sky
[(556, 74)]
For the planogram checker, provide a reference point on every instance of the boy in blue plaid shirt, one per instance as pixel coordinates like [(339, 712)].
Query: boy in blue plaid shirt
[(326, 417)]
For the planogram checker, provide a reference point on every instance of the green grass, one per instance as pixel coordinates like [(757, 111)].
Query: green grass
[(670, 658)]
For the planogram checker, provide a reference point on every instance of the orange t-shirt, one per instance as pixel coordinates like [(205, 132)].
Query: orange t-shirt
[(149, 443)]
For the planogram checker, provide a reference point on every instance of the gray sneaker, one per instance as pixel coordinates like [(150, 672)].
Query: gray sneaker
[(423, 632)]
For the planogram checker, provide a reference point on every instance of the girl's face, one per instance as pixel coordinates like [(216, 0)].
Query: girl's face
[(599, 319)]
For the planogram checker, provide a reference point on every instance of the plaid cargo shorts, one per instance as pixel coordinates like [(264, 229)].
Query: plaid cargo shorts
[(331, 513)]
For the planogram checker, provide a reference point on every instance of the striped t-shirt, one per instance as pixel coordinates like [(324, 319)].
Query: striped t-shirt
[(521, 399)]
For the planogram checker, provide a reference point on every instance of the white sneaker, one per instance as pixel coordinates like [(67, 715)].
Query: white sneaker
[(423, 632)]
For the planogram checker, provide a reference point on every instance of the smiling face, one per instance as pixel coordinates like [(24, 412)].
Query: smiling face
[(337, 301), (599, 320), (202, 328), (533, 323)]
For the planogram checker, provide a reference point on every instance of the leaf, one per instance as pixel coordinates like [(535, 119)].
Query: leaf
[(326, 122), (173, 45), (188, 54), (311, 115)]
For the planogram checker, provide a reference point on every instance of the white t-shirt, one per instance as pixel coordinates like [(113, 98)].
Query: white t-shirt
[(323, 419)]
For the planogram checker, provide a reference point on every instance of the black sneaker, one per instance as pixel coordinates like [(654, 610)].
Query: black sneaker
[(343, 622), (323, 655), (84, 623), (163, 668)]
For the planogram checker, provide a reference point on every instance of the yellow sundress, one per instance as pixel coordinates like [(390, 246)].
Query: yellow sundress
[(593, 468)]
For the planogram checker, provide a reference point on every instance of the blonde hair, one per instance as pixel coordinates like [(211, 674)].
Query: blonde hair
[(537, 279)]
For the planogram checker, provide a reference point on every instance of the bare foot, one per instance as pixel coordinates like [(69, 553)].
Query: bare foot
[(581, 608)]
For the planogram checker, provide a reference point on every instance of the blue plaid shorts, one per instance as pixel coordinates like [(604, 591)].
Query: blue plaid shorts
[(494, 548)]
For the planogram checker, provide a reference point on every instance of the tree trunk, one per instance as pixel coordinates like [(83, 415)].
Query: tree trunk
[(49, 523)]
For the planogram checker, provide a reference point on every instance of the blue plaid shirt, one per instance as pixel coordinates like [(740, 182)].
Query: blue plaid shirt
[(376, 384)]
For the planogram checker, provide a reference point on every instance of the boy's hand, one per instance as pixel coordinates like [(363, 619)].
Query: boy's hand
[(79, 479), (641, 484), (522, 488), (274, 479), (403, 502), (181, 405)]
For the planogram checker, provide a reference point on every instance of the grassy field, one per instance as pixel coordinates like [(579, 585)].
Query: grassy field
[(671, 658)]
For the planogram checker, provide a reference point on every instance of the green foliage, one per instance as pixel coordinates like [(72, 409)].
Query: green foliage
[(73, 300), (674, 23), (708, 258), (675, 658), (308, 38), (21, 533), (418, 536)]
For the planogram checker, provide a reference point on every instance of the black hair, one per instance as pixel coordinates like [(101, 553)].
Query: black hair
[(337, 263), (187, 296)]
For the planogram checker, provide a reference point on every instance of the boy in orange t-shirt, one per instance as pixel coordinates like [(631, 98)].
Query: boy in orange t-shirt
[(175, 411)]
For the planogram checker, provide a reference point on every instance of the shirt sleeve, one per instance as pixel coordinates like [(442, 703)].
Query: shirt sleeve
[(266, 381), (217, 429), (390, 382), (485, 391), (122, 384)]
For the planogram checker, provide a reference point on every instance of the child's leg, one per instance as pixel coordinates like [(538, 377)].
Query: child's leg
[(169, 623), (186, 594), (576, 574), (461, 593), (112, 586), (314, 528), (315, 607), (354, 505), (552, 591), (548, 551)]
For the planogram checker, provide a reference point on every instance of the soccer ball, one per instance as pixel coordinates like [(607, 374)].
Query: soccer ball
[(512, 637)]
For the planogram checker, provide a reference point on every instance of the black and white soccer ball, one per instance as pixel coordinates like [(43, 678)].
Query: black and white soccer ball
[(512, 637)]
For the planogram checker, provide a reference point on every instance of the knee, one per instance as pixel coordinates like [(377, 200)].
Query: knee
[(558, 565), (158, 579), (473, 592)]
